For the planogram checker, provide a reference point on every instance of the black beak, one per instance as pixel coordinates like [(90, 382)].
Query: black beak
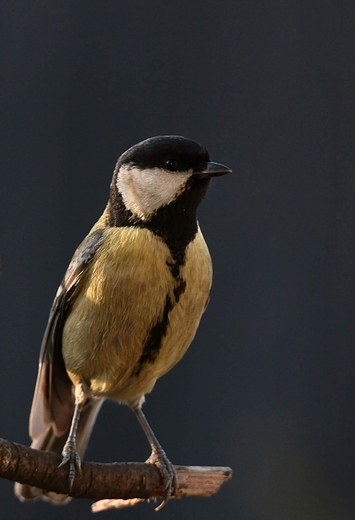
[(214, 169)]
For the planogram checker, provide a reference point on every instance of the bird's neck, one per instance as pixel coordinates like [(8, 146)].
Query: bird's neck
[(175, 223)]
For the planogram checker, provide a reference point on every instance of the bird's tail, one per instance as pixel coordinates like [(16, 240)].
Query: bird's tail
[(49, 441)]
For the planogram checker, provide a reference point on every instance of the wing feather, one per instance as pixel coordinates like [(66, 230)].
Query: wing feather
[(53, 401)]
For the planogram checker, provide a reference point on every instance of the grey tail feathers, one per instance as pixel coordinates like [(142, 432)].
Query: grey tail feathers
[(49, 441)]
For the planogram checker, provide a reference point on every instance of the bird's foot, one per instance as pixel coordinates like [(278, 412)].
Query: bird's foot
[(168, 474), (71, 456)]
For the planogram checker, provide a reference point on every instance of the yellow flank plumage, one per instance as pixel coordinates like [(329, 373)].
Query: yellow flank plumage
[(115, 309)]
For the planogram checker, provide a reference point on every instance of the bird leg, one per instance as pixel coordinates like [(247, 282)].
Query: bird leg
[(158, 456), (69, 453)]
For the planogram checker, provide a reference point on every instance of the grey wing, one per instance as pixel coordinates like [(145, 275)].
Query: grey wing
[(53, 401)]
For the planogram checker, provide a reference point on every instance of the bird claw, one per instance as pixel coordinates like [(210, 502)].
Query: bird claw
[(167, 472), (71, 456)]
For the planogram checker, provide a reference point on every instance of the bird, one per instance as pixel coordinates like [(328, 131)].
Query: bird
[(129, 304)]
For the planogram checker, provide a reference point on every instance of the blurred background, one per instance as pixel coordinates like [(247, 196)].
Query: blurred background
[(268, 386)]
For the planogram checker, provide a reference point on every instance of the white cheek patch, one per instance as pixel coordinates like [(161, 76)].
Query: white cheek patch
[(145, 191)]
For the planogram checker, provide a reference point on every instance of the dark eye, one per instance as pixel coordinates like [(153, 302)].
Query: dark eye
[(172, 165)]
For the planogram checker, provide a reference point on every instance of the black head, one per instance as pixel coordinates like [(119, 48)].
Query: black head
[(168, 152), (159, 183)]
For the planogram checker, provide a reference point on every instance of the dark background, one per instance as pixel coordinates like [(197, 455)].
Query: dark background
[(268, 386)]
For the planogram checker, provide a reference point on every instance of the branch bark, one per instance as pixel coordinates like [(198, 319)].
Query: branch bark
[(120, 480)]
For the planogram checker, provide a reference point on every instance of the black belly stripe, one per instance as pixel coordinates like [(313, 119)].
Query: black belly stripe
[(157, 333), (153, 343)]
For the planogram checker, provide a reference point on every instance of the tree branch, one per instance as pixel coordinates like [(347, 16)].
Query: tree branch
[(120, 480)]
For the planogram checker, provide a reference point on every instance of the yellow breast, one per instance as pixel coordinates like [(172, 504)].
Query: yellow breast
[(132, 319)]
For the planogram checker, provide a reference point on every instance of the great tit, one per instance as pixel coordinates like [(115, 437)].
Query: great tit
[(129, 304)]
